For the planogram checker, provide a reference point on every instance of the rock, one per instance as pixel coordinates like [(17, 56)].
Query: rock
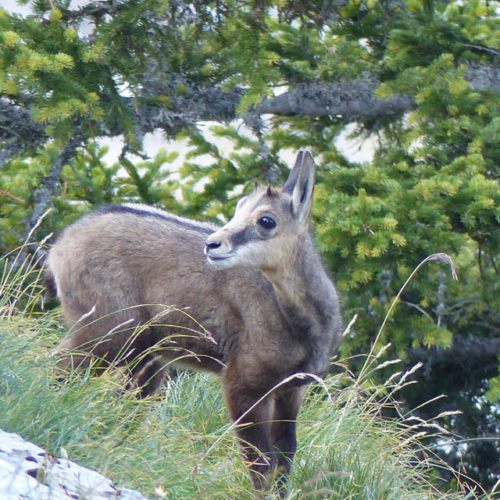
[(29, 472)]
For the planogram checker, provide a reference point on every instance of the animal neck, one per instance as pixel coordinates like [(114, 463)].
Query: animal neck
[(306, 295)]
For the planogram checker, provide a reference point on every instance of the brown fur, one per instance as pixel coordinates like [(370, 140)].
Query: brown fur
[(137, 290)]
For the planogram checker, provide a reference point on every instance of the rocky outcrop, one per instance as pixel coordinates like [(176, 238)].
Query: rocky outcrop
[(27, 472)]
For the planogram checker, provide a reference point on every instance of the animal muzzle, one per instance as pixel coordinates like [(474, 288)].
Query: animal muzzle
[(218, 248)]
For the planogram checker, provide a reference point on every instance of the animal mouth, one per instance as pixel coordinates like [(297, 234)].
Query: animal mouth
[(220, 261), (216, 258)]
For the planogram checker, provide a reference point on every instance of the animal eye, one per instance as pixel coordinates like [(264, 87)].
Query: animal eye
[(267, 223)]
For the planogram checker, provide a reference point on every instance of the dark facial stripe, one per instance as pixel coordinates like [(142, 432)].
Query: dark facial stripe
[(242, 237), (186, 224)]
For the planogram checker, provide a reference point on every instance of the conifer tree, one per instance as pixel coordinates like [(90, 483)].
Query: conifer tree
[(419, 80)]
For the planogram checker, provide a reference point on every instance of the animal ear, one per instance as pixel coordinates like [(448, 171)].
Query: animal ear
[(300, 185)]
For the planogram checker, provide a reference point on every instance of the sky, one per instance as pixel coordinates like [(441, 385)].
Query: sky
[(12, 6)]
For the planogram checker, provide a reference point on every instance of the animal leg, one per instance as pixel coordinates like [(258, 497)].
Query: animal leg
[(72, 355), (253, 429), (148, 375), (283, 431)]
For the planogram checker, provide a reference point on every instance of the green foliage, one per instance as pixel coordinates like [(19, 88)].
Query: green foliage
[(88, 181), (431, 186), (42, 60)]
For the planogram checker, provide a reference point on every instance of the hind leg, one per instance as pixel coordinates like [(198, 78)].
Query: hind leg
[(148, 375), (71, 357), (101, 341)]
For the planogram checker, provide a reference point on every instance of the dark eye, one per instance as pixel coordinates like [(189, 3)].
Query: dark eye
[(267, 223)]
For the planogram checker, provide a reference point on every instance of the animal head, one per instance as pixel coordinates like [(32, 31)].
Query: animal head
[(266, 227)]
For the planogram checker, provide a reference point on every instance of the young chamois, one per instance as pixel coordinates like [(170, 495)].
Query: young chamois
[(142, 288)]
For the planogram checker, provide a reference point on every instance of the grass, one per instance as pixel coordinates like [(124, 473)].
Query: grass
[(180, 445)]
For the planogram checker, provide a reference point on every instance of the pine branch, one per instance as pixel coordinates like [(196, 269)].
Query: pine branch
[(348, 101), (352, 101)]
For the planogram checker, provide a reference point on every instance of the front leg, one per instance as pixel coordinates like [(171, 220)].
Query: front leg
[(253, 426), (283, 431)]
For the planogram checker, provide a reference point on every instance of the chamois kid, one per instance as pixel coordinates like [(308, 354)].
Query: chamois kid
[(142, 288)]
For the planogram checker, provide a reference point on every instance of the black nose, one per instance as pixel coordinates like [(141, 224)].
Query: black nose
[(212, 245)]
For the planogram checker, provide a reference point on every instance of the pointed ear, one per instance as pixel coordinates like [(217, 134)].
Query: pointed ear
[(300, 185)]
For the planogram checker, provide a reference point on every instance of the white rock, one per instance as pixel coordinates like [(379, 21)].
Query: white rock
[(27, 472)]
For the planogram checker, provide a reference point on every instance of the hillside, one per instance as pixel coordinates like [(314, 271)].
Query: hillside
[(180, 444)]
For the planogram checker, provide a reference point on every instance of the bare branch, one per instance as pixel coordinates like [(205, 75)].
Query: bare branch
[(94, 9), (350, 101), (483, 77), (50, 184), (18, 131)]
